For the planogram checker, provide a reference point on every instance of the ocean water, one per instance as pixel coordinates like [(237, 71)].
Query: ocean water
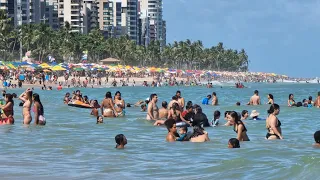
[(72, 146)]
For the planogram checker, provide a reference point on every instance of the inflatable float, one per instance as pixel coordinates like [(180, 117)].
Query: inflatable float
[(79, 104), (182, 124)]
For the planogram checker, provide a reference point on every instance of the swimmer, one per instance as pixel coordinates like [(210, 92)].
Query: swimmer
[(99, 119), (180, 100), (153, 110), (38, 110), (172, 130), (119, 104), (238, 103), (216, 117), (238, 126), (163, 112), (291, 101), (270, 99), (66, 98), (214, 99), (143, 108), (316, 139), (96, 106), (233, 143), (244, 115), (254, 115), (273, 124), (255, 99), (199, 135), (121, 141), (7, 116), (107, 106), (26, 97)]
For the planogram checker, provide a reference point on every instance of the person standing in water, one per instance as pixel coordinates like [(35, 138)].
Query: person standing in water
[(7, 116), (317, 102), (172, 130), (26, 97), (273, 124), (291, 101), (214, 99), (119, 104), (38, 110), (153, 110), (163, 112), (270, 99), (238, 126), (255, 99), (181, 100), (107, 106), (121, 141)]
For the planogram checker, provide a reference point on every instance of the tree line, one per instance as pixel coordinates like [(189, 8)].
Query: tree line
[(63, 44)]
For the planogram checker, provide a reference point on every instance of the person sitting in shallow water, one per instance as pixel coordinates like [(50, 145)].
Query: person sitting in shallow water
[(316, 139), (121, 141), (233, 143)]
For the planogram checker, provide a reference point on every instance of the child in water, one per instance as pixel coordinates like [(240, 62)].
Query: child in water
[(216, 117), (183, 134), (121, 141), (317, 139), (99, 120), (233, 143)]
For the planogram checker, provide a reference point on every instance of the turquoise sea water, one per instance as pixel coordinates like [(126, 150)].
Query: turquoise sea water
[(72, 146)]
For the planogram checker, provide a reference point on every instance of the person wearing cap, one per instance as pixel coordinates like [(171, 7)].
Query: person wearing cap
[(255, 99), (254, 115)]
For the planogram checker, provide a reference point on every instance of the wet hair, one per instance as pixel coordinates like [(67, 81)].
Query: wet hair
[(85, 96), (152, 96), (108, 95), (235, 115), (198, 109), (214, 94), (118, 92), (98, 119), (178, 92), (67, 93), (196, 106), (10, 98), (14, 95), (256, 91), (128, 105), (37, 99), (119, 139), (310, 98), (197, 131), (169, 123), (290, 95), (164, 104), (271, 96), (175, 98), (272, 108), (209, 96), (226, 113), (216, 115), (234, 142), (189, 103), (238, 103), (244, 112), (299, 104), (142, 106), (317, 136)]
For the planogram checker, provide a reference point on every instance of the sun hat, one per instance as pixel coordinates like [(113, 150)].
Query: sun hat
[(254, 113)]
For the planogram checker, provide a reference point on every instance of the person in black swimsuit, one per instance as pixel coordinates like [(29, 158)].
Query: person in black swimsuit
[(238, 127), (273, 124)]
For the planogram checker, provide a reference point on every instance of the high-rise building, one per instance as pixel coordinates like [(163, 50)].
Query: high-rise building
[(129, 19), (49, 13), (154, 12)]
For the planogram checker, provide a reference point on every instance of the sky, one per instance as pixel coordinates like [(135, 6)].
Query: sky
[(279, 36)]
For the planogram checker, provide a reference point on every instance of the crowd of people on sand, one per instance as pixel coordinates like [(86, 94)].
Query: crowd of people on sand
[(177, 113)]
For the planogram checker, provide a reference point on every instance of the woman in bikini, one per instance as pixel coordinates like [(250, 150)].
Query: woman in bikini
[(7, 116), (273, 124), (107, 106), (38, 110), (291, 101), (238, 126), (26, 97), (270, 99), (119, 104)]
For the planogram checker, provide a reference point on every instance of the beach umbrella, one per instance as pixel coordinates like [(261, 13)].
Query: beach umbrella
[(58, 68), (45, 65), (78, 69), (46, 70)]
